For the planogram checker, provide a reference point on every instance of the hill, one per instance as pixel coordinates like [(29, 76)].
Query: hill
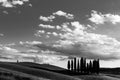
[(6, 74), (50, 72), (37, 72), (110, 70), (41, 66)]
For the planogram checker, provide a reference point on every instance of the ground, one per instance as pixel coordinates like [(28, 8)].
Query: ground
[(33, 71)]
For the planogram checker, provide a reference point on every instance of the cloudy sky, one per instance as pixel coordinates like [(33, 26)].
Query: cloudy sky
[(52, 31)]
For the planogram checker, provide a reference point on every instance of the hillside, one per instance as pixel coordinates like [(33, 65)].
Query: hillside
[(97, 77), (110, 70), (37, 72), (40, 66), (34, 71), (14, 75)]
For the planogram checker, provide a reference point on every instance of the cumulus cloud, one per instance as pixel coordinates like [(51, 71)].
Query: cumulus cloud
[(99, 18), (55, 14), (39, 32), (49, 59), (8, 53), (46, 26), (75, 40), (64, 14), (12, 3), (30, 42), (46, 19)]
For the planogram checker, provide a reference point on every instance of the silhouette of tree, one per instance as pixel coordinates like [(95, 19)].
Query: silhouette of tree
[(84, 65), (87, 68), (94, 66), (78, 66), (81, 64), (71, 65), (75, 64), (90, 66), (68, 65), (98, 66)]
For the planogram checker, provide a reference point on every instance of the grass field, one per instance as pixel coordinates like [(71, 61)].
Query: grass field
[(37, 72), (11, 75), (97, 77), (33, 71)]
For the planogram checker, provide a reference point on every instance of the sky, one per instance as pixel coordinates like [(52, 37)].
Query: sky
[(53, 31)]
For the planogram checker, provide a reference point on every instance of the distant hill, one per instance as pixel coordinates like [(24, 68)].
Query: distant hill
[(41, 66)]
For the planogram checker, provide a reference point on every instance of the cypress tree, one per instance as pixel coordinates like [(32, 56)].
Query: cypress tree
[(84, 65), (98, 66), (90, 66), (94, 66), (75, 64), (87, 68), (78, 66), (68, 65), (71, 65), (81, 64)]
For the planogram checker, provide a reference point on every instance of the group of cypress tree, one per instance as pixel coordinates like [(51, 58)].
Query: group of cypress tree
[(81, 66)]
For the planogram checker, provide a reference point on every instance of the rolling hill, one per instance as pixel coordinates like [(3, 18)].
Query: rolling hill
[(50, 72), (37, 72)]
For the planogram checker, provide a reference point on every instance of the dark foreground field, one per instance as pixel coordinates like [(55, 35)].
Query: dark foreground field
[(33, 71)]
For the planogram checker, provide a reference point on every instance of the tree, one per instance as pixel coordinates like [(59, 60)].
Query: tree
[(78, 66), (81, 64), (75, 64), (84, 65), (71, 65), (87, 68), (90, 66), (68, 65), (98, 66), (94, 66)]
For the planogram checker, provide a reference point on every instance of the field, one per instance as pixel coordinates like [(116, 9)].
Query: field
[(33, 71)]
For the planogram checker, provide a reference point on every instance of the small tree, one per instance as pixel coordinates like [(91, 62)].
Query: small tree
[(90, 66), (78, 66), (68, 65), (98, 66), (87, 68), (75, 64), (81, 64), (71, 65), (94, 66), (84, 65)]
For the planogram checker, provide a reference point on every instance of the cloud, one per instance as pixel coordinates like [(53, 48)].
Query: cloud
[(1, 34), (46, 19), (46, 26), (39, 32), (75, 40), (53, 33), (64, 14), (99, 18), (30, 42), (12, 3), (30, 54), (49, 59), (58, 27), (55, 14)]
